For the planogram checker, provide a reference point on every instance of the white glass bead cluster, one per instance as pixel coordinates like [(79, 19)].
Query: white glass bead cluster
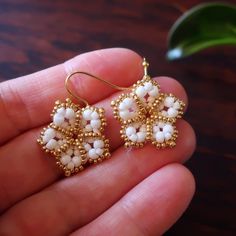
[(71, 159), (136, 132), (170, 107), (64, 117), (91, 121), (94, 148), (147, 92), (146, 114), (162, 131), (128, 108), (75, 136)]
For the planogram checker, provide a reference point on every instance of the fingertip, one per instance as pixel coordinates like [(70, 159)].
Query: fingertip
[(179, 190), (186, 140), (184, 180)]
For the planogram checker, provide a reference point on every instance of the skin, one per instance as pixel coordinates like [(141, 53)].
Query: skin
[(136, 192)]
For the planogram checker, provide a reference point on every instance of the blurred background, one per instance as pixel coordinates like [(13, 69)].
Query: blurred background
[(36, 34)]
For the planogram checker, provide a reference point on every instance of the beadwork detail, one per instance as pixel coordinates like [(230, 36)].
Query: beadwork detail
[(75, 136), (146, 114)]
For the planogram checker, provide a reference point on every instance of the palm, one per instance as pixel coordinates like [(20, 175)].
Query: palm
[(138, 192)]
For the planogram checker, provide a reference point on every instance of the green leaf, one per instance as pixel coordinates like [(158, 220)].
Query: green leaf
[(203, 26)]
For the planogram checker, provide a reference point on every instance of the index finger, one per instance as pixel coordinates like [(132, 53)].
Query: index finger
[(27, 102)]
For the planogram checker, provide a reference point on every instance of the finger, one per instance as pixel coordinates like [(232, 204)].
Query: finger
[(26, 102), (30, 166), (150, 208), (83, 197)]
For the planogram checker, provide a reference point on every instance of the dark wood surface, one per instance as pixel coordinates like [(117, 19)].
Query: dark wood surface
[(35, 34)]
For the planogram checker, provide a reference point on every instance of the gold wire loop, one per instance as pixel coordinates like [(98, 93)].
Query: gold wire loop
[(93, 76), (145, 66)]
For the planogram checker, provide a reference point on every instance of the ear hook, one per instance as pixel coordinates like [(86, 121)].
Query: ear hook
[(145, 66), (93, 76)]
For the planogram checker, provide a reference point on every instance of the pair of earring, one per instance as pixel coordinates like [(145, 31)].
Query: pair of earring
[(75, 136)]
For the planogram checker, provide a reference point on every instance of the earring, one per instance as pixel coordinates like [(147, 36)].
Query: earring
[(75, 136), (147, 115)]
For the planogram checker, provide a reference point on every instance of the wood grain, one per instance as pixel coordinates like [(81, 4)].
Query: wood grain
[(38, 34)]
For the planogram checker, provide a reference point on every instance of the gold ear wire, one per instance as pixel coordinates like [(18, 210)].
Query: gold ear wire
[(93, 76), (145, 66)]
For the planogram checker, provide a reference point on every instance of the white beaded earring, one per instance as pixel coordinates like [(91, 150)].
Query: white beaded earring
[(147, 115), (75, 136)]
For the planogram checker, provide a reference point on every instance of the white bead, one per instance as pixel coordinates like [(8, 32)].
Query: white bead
[(143, 128), (161, 107), (69, 152), (52, 144), (83, 122), (58, 119), (87, 147), (156, 128), (169, 101), (87, 114), (164, 113), (77, 152), (154, 91), (50, 132), (176, 105), (148, 86), (70, 165), (92, 154), (122, 106), (98, 144), (140, 91), (65, 159), (160, 137), (88, 128), (167, 136), (60, 142), (77, 161), (70, 114), (168, 129), (94, 115), (133, 137), (90, 140), (130, 130), (99, 151), (95, 130), (46, 139), (150, 100), (141, 136), (125, 115), (128, 101), (61, 111), (95, 123), (64, 124), (172, 112)]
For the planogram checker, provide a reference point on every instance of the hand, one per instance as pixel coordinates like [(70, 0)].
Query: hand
[(138, 192)]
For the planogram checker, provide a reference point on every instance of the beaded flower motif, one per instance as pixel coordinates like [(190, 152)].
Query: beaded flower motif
[(75, 136), (146, 114)]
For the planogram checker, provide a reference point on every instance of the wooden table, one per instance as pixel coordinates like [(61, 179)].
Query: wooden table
[(36, 34)]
